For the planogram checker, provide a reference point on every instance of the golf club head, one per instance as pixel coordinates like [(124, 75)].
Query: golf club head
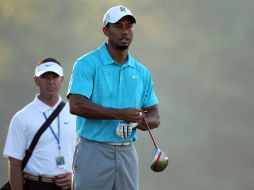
[(159, 161)]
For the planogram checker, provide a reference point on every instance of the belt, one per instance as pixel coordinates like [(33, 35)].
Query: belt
[(39, 178), (111, 143), (120, 143)]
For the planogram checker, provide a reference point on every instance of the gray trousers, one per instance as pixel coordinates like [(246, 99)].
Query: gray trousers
[(101, 166)]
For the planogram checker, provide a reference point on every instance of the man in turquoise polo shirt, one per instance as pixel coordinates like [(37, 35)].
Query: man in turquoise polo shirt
[(111, 93)]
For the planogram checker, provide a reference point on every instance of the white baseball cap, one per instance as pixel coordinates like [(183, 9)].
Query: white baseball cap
[(48, 67), (114, 14)]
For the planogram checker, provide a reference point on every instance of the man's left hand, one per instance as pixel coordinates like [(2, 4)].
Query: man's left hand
[(64, 180), (124, 130)]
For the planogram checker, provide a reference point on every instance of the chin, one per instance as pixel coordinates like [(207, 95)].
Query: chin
[(52, 94), (123, 47)]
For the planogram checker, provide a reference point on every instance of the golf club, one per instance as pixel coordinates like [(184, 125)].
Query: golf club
[(160, 159)]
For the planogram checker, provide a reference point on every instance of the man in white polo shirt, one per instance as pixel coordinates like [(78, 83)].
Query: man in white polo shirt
[(50, 166)]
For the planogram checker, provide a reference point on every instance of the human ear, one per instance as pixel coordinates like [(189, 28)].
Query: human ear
[(36, 80), (105, 31)]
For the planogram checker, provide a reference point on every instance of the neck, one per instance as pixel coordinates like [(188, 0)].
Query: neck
[(119, 56), (49, 101)]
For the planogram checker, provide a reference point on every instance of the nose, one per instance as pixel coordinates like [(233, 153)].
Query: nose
[(125, 31)]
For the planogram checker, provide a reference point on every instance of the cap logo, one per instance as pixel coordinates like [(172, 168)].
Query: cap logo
[(47, 65), (122, 9)]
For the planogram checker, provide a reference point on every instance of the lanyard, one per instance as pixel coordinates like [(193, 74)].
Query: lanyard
[(56, 136)]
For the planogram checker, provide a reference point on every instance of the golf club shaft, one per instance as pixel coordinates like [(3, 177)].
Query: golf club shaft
[(147, 126)]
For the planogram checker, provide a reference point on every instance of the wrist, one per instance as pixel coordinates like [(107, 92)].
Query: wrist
[(116, 113)]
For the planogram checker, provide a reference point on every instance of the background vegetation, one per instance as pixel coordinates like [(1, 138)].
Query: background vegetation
[(201, 55)]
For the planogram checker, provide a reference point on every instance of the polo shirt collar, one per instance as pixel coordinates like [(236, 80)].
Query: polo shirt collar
[(44, 107), (107, 59)]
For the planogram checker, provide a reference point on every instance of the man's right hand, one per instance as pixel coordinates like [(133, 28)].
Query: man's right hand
[(133, 115)]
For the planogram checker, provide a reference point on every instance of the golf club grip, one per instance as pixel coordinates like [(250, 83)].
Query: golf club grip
[(147, 126)]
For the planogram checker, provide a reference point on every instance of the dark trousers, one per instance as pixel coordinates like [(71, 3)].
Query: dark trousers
[(37, 185)]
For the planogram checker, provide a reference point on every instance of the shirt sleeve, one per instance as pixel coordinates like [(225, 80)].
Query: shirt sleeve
[(81, 81), (150, 98), (15, 145)]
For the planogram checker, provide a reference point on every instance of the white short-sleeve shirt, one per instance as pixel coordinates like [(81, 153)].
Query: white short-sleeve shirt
[(23, 127)]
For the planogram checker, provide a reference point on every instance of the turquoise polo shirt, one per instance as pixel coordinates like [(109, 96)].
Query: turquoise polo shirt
[(103, 81)]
